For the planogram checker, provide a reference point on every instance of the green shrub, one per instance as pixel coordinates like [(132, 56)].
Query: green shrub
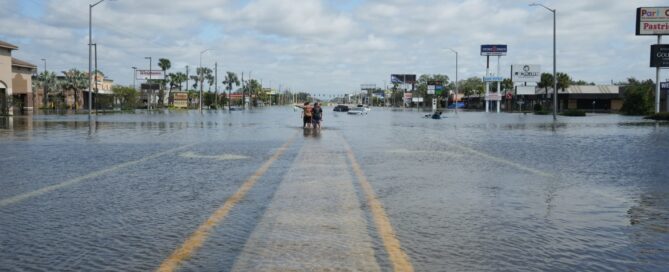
[(662, 116), (537, 108), (638, 99), (573, 112)]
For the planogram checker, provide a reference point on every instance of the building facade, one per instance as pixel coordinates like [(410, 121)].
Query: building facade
[(15, 81)]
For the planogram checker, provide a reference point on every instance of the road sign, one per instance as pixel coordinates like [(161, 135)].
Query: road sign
[(525, 73), (659, 55), (493, 50), (652, 21), (664, 86), (492, 79), (493, 97)]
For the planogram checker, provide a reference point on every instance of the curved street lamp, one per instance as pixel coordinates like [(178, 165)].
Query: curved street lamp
[(554, 59)]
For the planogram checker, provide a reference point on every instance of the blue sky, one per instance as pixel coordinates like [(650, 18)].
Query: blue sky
[(328, 46)]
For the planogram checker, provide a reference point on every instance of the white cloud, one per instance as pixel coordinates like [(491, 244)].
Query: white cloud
[(313, 45)]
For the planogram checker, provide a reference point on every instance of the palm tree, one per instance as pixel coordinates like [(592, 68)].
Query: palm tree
[(165, 65), (230, 79), (179, 79), (76, 81), (563, 81), (545, 82), (48, 81)]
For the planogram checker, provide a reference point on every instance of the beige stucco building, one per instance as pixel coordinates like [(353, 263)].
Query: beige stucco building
[(15, 81)]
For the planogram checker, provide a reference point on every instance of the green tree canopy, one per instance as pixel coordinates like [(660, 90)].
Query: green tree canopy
[(638, 97)]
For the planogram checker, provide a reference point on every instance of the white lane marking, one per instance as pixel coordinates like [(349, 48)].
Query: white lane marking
[(18, 198), (222, 157)]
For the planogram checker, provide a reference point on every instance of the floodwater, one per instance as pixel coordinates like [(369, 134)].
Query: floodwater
[(253, 191)]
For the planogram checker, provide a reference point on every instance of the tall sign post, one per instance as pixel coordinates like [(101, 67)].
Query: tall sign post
[(655, 21), (404, 79), (488, 50)]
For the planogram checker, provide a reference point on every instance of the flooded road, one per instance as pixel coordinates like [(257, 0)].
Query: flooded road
[(250, 191)]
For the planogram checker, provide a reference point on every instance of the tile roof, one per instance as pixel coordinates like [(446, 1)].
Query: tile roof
[(8, 45), (20, 63)]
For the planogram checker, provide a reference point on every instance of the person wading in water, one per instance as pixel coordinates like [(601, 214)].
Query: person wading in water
[(317, 115), (306, 114)]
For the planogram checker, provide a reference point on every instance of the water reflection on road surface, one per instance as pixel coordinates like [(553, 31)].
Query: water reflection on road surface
[(472, 191)]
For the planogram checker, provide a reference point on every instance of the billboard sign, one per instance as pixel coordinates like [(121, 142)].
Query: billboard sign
[(144, 74), (430, 89), (493, 97), (438, 89), (652, 21), (659, 55), (150, 87), (664, 86), (403, 78), (492, 78), (493, 50), (525, 90), (367, 87), (525, 73)]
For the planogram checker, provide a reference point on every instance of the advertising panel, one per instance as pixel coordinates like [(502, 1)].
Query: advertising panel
[(492, 78), (652, 21), (525, 90), (152, 86), (525, 73), (144, 74), (493, 97), (659, 55), (367, 86), (408, 96), (430, 89), (493, 50), (664, 86), (403, 78)]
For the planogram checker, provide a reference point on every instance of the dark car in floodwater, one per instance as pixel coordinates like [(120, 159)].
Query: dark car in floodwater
[(341, 108)]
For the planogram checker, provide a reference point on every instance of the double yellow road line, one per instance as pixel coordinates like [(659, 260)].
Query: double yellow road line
[(398, 258)]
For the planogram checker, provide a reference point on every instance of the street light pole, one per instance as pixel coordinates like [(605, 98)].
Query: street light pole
[(90, 41), (554, 11), (457, 86), (148, 94), (95, 77), (46, 97), (201, 79), (134, 77)]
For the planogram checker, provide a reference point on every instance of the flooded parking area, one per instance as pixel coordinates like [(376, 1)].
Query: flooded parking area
[(387, 191)]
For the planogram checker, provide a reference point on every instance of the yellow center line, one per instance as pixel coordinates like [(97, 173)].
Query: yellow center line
[(398, 258), (195, 240), (51, 188)]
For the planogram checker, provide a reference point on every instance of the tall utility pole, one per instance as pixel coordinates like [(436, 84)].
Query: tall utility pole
[(134, 77), (457, 86), (554, 11), (187, 78), (243, 92), (46, 95), (657, 83), (200, 77), (487, 84), (148, 94), (499, 86), (95, 77), (90, 41), (216, 83), (251, 90)]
